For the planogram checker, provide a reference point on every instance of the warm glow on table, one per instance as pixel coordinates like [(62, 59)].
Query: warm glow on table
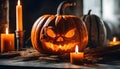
[(7, 42), (19, 26), (114, 42), (76, 57)]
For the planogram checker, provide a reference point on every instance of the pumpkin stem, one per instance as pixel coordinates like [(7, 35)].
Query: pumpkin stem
[(89, 12), (63, 5)]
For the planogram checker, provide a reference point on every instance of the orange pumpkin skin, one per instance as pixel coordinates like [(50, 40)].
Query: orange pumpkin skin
[(58, 34)]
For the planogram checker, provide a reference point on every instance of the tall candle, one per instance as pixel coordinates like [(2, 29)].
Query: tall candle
[(7, 42), (19, 26), (76, 57)]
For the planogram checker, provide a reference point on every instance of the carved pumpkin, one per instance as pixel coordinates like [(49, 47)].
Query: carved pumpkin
[(58, 34), (96, 30)]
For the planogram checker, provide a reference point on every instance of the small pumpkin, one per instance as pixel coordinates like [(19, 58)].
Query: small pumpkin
[(96, 30), (59, 34)]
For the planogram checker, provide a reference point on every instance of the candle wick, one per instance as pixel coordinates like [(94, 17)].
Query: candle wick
[(76, 52)]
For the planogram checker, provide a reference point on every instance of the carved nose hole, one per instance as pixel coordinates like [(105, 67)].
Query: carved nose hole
[(59, 39)]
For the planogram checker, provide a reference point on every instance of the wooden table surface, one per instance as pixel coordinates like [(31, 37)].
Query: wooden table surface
[(9, 63), (46, 62)]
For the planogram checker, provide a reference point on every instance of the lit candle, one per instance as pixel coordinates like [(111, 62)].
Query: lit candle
[(76, 57), (7, 42), (19, 26), (114, 42)]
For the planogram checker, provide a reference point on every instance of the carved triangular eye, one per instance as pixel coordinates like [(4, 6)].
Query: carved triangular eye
[(70, 33), (50, 33)]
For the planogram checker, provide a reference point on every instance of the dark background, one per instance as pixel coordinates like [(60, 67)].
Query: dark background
[(33, 9)]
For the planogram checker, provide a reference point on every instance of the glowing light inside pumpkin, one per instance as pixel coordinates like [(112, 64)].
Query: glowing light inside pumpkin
[(56, 47), (50, 32), (60, 46), (70, 33)]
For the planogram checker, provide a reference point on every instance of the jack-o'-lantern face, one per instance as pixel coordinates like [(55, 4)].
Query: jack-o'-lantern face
[(59, 41), (59, 34)]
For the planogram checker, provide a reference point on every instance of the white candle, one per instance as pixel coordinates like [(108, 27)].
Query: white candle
[(19, 26)]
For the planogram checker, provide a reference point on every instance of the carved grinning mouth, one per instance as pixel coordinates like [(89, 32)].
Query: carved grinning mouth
[(56, 47)]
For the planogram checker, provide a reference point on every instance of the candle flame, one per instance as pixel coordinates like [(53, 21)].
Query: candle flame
[(76, 49), (18, 2), (114, 39), (6, 30)]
